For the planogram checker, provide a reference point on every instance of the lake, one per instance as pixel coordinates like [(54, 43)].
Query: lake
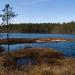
[(68, 48), (33, 35)]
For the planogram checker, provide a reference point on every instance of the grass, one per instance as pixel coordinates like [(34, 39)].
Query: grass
[(52, 63), (67, 67), (16, 41), (24, 40), (37, 52)]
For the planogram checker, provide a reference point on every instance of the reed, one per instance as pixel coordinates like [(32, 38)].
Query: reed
[(52, 63), (67, 67)]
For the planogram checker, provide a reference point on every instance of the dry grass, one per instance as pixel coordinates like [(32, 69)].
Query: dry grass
[(26, 40), (16, 41), (37, 52), (54, 66), (67, 67)]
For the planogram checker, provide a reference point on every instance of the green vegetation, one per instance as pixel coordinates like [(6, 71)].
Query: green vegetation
[(7, 15), (65, 28)]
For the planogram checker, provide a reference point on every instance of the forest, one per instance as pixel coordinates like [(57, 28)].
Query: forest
[(53, 28)]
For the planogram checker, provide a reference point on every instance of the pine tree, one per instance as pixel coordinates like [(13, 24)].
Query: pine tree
[(7, 15)]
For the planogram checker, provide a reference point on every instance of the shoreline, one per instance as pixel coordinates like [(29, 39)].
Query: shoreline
[(35, 40), (49, 61)]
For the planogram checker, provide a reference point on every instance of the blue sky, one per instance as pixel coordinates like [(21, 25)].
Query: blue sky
[(41, 11)]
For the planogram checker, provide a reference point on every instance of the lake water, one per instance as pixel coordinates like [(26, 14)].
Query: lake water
[(32, 35), (68, 48)]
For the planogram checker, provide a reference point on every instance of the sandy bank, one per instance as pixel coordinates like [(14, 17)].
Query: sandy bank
[(26, 40)]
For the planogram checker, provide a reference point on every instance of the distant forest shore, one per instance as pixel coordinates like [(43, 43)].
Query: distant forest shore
[(54, 28)]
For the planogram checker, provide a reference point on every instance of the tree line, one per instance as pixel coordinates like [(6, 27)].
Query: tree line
[(64, 28)]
